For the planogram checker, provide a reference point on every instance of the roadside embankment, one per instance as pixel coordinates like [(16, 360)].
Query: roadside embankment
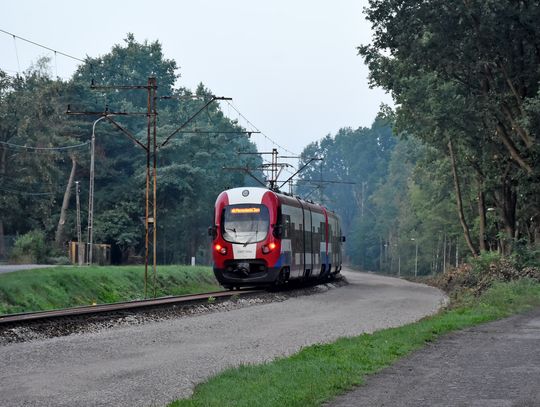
[(67, 286)]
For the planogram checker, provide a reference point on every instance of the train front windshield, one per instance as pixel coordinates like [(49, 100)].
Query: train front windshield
[(245, 223)]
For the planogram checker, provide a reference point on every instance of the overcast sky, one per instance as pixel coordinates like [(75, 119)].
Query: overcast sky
[(291, 67)]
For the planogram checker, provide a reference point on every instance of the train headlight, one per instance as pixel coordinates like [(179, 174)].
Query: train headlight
[(220, 249), (268, 248)]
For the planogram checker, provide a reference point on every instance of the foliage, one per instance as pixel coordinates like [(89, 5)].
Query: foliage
[(357, 161), (402, 198), (467, 73), (62, 287), (190, 175), (482, 273), (30, 248), (295, 380)]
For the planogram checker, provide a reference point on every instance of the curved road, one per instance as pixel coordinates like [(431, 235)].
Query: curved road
[(158, 362)]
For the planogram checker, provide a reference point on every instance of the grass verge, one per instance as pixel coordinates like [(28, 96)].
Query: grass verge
[(66, 286), (320, 372)]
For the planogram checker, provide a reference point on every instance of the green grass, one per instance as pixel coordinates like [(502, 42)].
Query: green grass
[(68, 286), (320, 372)]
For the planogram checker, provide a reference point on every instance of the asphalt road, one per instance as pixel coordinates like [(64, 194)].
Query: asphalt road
[(158, 362), (491, 365), (8, 268)]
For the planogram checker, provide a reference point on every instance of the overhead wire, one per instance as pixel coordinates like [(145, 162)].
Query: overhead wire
[(248, 122), (42, 46), (12, 191), (24, 147), (14, 188), (257, 129), (56, 52)]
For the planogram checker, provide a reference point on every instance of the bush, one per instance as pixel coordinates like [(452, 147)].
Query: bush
[(59, 260), (30, 248), (482, 272), (526, 256)]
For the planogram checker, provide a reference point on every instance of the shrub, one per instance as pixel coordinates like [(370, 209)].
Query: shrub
[(59, 260), (526, 256), (30, 248), (482, 273)]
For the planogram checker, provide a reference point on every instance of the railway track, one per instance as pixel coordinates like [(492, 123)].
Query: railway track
[(91, 310)]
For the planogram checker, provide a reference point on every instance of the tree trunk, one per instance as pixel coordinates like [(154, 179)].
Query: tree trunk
[(444, 255), (482, 215), (459, 201), (512, 149), (2, 243), (506, 199), (3, 154), (60, 233)]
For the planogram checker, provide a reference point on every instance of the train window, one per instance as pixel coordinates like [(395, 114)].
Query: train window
[(286, 222), (245, 223)]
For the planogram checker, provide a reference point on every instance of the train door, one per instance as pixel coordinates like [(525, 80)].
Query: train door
[(318, 241), (308, 238), (336, 243), (295, 221), (329, 245)]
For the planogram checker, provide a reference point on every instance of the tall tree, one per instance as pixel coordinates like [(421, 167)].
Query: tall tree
[(466, 72)]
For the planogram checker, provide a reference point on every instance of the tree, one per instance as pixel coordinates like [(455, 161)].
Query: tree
[(356, 156), (190, 176), (466, 73)]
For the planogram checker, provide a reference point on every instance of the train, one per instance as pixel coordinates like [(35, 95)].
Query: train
[(261, 237)]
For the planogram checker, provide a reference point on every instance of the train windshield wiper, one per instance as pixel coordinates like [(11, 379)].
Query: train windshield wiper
[(253, 239)]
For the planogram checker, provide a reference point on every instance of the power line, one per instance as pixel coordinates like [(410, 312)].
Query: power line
[(255, 127), (13, 191), (45, 148), (42, 46)]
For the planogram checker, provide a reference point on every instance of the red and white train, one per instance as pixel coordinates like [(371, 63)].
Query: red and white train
[(261, 237)]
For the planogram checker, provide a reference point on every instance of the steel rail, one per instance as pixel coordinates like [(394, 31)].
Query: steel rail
[(119, 306)]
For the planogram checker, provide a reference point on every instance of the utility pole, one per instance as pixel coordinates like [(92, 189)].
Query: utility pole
[(321, 188), (415, 240), (79, 243), (151, 169), (90, 223), (150, 148), (274, 167)]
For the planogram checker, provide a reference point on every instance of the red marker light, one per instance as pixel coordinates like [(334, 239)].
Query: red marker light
[(267, 249), (220, 249)]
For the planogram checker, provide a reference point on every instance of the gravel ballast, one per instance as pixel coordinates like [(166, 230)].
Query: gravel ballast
[(26, 331), (155, 362)]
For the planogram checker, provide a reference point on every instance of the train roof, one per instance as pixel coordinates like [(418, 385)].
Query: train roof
[(282, 196)]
